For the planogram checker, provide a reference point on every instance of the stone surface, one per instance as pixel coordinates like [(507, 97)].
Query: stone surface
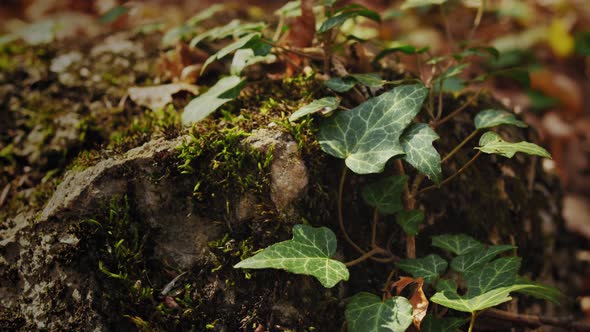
[(289, 176)]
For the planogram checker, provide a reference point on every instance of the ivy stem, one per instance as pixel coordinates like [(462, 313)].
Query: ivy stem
[(472, 322), (409, 202), (365, 256), (447, 180), (459, 146), (340, 216), (458, 110), (374, 229)]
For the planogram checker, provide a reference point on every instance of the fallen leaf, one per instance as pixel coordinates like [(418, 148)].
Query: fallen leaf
[(301, 34), (561, 87), (418, 299), (158, 96)]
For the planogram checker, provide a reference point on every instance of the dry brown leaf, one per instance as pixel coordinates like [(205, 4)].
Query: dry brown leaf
[(418, 299), (158, 96), (300, 35), (559, 86), (183, 64)]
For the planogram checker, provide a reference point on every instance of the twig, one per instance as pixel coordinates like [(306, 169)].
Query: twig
[(445, 181), (341, 217), (534, 321), (365, 256), (459, 146), (458, 110), (374, 229)]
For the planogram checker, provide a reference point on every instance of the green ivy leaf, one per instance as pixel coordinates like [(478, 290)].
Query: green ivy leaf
[(493, 118), (492, 143), (327, 104), (446, 285), (429, 267), (339, 84), (475, 259), (484, 301), (540, 291), (372, 80), (385, 194), (410, 221), (232, 47), (431, 323), (367, 313), (420, 153), (246, 57), (307, 253), (345, 13), (419, 3), (223, 91), (235, 29), (458, 244), (501, 272), (406, 49), (368, 135)]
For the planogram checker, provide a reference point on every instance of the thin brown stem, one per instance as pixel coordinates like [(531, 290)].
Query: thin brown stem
[(458, 110), (374, 229), (408, 202), (447, 180), (340, 214), (459, 146), (365, 256)]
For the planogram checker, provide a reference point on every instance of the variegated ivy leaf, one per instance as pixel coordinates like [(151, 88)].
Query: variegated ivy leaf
[(410, 220), (458, 244), (371, 80), (345, 13), (235, 29), (246, 57), (486, 300), (417, 143), (419, 3), (475, 259), (340, 84), (499, 273), (385, 194), (366, 312), (429, 267), (232, 47), (223, 91), (493, 118), (492, 143), (368, 135), (307, 253), (327, 104)]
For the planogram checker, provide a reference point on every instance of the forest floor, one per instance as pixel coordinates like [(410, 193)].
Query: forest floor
[(116, 215)]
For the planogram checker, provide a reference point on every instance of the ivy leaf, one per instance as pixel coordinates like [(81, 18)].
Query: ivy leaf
[(492, 143), (540, 291), (499, 273), (327, 104), (232, 47), (406, 49), (420, 153), (410, 220), (223, 91), (458, 244), (419, 3), (446, 285), (339, 84), (484, 301), (371, 80), (366, 312), (434, 324), (246, 57), (475, 259), (307, 253), (345, 13), (234, 28), (429, 267), (493, 118), (368, 135), (385, 195)]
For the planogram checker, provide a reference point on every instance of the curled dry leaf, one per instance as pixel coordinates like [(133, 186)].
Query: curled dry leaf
[(182, 64), (418, 299), (300, 35), (158, 96)]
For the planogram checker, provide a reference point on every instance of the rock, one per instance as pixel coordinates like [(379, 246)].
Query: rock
[(34, 275), (289, 176)]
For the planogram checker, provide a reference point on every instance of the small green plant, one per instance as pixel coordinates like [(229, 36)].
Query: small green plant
[(389, 132)]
